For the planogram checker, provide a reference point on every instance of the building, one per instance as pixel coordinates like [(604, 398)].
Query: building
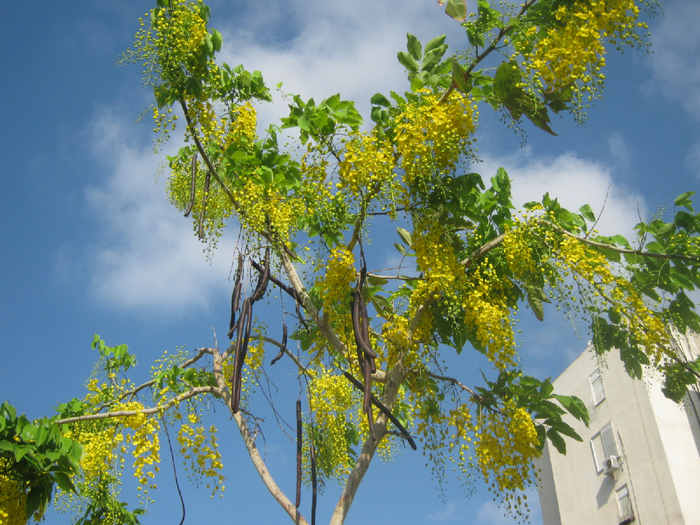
[(639, 461)]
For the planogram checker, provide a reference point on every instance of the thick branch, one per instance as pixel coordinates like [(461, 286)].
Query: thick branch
[(308, 304), (480, 252), (394, 379), (251, 447)]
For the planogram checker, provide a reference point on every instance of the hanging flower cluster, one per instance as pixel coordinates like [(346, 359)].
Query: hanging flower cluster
[(571, 55), (431, 136)]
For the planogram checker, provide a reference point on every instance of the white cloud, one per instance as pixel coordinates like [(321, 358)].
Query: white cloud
[(676, 54), (348, 48), (574, 181), (148, 256)]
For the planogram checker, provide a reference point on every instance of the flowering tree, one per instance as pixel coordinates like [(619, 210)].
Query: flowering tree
[(369, 343)]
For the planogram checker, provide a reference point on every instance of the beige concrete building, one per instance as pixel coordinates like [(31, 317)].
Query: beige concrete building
[(639, 461)]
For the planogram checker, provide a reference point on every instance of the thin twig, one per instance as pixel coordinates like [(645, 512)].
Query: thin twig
[(172, 458)]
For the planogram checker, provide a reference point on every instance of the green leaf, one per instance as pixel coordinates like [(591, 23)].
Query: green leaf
[(684, 200), (506, 79), (303, 123), (400, 248), (407, 61), (64, 482), (575, 407), (216, 40), (587, 212), (459, 79), (414, 47), (405, 236), (557, 441), (380, 100), (457, 9), (432, 59), (435, 43), (537, 307)]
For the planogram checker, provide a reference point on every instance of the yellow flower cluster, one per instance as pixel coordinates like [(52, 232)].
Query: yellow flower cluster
[(398, 343), (505, 444), (518, 247), (431, 136), (146, 444), (179, 36), (368, 163), (218, 207), (334, 411), (261, 207), (437, 259), (485, 303), (99, 450), (336, 283), (171, 50), (572, 55), (253, 362), (200, 450), (592, 269), (13, 499)]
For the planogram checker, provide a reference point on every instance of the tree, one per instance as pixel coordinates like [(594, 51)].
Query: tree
[(370, 343)]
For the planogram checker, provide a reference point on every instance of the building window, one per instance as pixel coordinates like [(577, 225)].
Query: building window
[(604, 446), (624, 506), (597, 387)]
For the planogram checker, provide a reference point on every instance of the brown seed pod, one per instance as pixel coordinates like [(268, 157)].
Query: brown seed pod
[(299, 438), (193, 189)]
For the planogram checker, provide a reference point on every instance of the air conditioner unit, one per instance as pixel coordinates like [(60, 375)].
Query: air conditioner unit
[(612, 464)]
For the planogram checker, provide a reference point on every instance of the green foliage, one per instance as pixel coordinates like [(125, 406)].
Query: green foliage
[(36, 456)]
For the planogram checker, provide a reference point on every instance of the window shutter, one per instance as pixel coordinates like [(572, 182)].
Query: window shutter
[(607, 436), (626, 512), (597, 387)]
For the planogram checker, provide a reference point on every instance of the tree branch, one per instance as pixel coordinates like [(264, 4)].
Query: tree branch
[(394, 379), (160, 408), (480, 252), (308, 304), (251, 447), (189, 362), (488, 50), (689, 258)]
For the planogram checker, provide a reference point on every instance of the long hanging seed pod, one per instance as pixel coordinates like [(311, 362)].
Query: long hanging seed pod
[(200, 232), (299, 439), (314, 490), (263, 279), (365, 354), (236, 296), (239, 355), (244, 327), (193, 189), (284, 344)]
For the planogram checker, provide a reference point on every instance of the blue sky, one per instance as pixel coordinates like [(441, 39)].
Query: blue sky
[(91, 245)]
